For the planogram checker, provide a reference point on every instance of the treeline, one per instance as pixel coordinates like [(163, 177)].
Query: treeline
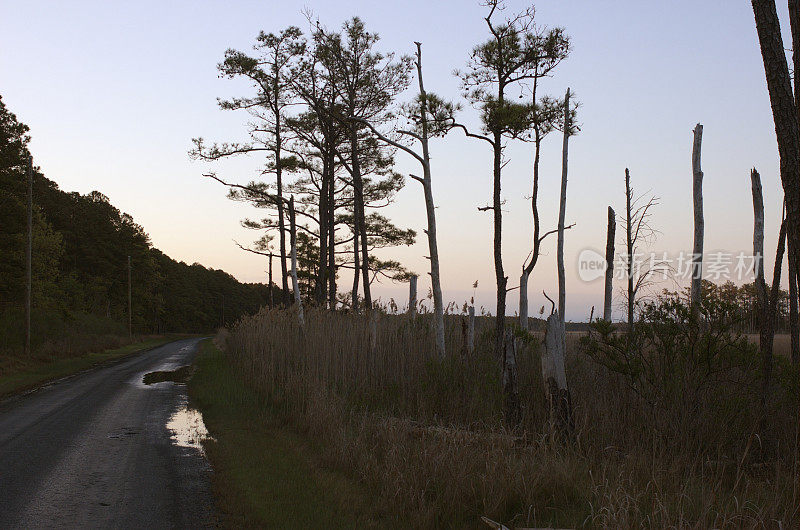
[(81, 245)]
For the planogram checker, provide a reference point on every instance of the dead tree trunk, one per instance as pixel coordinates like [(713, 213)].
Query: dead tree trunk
[(523, 299), (610, 235), (562, 210), (760, 282), (697, 194), (554, 377), (629, 249), (295, 285), (758, 235), (412, 295), (271, 298), (768, 299), (471, 331), (422, 135), (553, 369), (430, 210), (510, 390)]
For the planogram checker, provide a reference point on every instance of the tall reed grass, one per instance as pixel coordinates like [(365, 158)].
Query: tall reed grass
[(429, 435)]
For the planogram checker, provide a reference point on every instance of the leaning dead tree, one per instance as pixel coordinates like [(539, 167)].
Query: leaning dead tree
[(431, 117), (793, 269), (697, 196), (784, 112), (610, 235)]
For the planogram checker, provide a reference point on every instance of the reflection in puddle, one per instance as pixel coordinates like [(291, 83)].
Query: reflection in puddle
[(188, 429), (181, 375)]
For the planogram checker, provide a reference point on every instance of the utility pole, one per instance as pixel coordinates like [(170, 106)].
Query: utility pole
[(130, 304), (29, 259)]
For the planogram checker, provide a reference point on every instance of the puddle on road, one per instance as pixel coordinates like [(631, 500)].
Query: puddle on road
[(186, 424), (181, 375), (188, 429)]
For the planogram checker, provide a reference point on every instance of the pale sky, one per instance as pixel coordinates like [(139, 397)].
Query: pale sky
[(115, 91)]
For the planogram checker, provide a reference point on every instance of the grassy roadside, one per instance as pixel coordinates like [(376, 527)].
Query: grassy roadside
[(31, 373), (266, 475)]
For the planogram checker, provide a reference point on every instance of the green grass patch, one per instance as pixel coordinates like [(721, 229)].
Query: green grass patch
[(25, 374), (265, 474)]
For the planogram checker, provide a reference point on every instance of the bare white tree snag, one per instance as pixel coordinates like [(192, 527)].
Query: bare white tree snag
[(562, 210), (553, 369), (555, 377), (295, 285), (412, 295), (430, 210), (610, 235), (427, 125), (471, 331), (510, 389), (697, 194)]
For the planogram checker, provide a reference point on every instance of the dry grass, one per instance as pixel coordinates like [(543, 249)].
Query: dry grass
[(429, 435)]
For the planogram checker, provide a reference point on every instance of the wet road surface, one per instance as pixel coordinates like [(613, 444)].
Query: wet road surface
[(94, 451)]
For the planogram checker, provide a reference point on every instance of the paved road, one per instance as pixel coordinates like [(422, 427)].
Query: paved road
[(94, 451)]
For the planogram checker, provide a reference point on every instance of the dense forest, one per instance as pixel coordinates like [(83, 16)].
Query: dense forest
[(81, 245)]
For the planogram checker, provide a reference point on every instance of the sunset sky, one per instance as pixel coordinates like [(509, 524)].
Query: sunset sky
[(114, 92)]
